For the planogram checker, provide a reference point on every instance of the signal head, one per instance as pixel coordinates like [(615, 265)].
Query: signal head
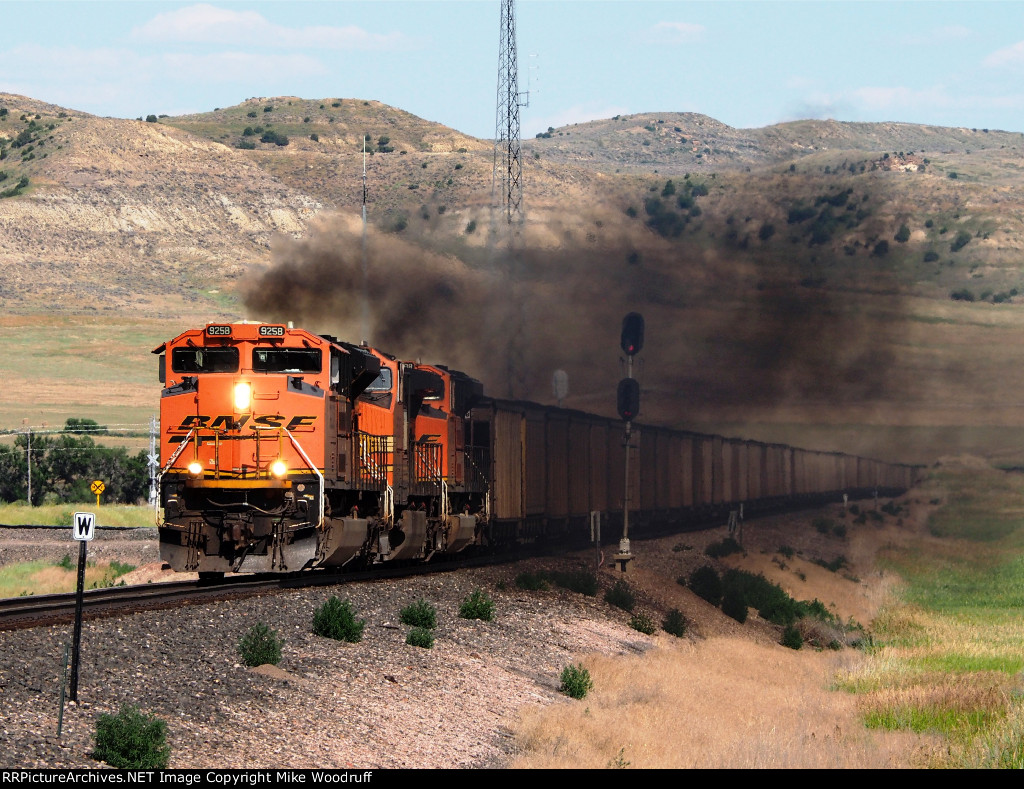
[(632, 333)]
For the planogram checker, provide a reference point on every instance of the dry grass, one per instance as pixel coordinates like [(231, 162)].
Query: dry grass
[(720, 703)]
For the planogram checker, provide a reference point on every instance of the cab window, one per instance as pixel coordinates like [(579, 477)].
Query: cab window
[(287, 360), (382, 383), (204, 360)]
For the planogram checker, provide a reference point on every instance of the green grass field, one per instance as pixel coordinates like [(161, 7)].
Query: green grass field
[(116, 515), (947, 655)]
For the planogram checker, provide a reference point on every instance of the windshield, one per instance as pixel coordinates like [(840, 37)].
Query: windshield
[(204, 360), (287, 360), (382, 383)]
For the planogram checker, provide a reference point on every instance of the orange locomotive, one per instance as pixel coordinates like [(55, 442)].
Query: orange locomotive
[(284, 450)]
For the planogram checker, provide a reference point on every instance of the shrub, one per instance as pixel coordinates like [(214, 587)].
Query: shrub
[(620, 596), (575, 682), (674, 623), (420, 614), (643, 623), (961, 240), (705, 583), (477, 606), (471, 226), (335, 619), (717, 550), (132, 740), (582, 581), (274, 137), (791, 638), (420, 637), (734, 605), (532, 582), (260, 646)]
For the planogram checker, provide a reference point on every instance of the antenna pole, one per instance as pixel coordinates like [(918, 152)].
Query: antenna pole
[(366, 264), (508, 162)]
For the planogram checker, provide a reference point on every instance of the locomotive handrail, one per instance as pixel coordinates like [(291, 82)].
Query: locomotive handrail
[(441, 481), (177, 452), (315, 470)]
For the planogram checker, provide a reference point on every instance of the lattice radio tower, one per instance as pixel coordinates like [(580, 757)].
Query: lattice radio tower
[(507, 178)]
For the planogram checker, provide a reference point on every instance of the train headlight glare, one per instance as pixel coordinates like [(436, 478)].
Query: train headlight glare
[(195, 468), (279, 468), (243, 396)]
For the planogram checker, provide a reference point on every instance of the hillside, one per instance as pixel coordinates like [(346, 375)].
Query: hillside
[(838, 285)]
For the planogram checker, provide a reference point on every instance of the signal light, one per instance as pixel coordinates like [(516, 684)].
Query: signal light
[(278, 468), (195, 469), (629, 399), (632, 333)]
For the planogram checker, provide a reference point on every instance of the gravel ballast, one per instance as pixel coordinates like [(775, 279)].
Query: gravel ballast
[(378, 703)]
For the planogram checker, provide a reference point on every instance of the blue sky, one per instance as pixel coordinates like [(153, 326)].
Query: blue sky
[(747, 64)]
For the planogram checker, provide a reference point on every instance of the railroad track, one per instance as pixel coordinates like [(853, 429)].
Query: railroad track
[(43, 610)]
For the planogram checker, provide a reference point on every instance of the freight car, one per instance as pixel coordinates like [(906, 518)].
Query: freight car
[(285, 450)]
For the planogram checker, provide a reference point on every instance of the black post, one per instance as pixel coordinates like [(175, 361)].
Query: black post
[(78, 620)]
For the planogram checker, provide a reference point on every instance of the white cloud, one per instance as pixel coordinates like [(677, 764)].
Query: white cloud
[(672, 33), (1011, 56), (240, 67), (207, 24)]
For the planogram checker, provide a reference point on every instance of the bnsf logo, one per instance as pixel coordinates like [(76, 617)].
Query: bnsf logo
[(228, 421)]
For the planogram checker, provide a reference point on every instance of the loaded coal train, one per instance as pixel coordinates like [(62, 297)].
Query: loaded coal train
[(283, 450)]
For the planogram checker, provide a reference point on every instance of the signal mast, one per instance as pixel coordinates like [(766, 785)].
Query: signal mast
[(628, 402)]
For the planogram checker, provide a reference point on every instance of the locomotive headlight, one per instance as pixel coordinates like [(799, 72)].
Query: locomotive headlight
[(243, 396), (279, 468), (195, 469)]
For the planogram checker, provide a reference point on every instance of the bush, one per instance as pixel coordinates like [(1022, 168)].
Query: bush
[(717, 550), (532, 582), (705, 583), (420, 614), (420, 637), (335, 619), (477, 606), (582, 581), (260, 646), (643, 623), (961, 240), (791, 638), (620, 596), (734, 606), (132, 740), (674, 623), (274, 137), (575, 682)]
